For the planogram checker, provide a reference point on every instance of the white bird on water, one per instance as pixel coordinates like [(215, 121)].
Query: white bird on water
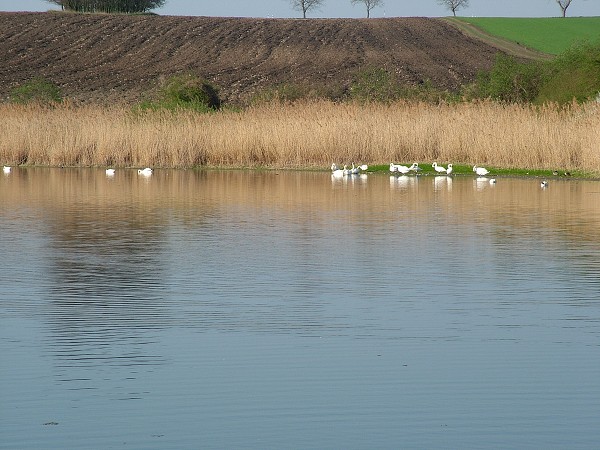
[(145, 172), (438, 169), (481, 171), (449, 169), (336, 172), (110, 172), (6, 169), (544, 184)]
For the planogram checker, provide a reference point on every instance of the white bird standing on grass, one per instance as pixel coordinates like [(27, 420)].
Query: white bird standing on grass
[(481, 171), (438, 169), (356, 170), (415, 168), (449, 169), (399, 168)]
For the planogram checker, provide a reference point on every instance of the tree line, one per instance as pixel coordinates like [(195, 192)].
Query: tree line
[(303, 6), (109, 6)]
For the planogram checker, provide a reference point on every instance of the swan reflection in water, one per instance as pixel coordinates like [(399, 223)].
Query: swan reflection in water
[(440, 182)]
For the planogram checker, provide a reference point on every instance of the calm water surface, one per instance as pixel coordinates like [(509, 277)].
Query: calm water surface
[(272, 310)]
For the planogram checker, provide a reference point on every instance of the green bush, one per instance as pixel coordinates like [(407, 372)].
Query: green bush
[(374, 84), (37, 90), (186, 92), (573, 75), (511, 81)]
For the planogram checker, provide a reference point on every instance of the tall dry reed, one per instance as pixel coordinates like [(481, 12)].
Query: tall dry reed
[(305, 135)]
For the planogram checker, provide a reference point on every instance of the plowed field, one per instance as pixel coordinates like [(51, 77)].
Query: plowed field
[(108, 58)]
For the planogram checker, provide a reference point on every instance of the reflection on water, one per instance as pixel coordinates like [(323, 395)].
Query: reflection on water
[(273, 310)]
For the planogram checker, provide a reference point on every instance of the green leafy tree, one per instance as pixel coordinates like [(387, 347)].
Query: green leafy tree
[(369, 4), (108, 6)]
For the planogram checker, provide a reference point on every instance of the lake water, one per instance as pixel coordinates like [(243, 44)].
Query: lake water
[(287, 310)]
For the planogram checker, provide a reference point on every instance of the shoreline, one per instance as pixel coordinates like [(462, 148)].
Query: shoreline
[(512, 139), (460, 171)]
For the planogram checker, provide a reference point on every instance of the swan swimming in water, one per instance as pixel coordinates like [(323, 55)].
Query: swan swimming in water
[(110, 172), (481, 171), (336, 172), (438, 169), (145, 172), (6, 169), (544, 184)]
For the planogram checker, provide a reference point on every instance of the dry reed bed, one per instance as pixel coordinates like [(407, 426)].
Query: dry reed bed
[(305, 135)]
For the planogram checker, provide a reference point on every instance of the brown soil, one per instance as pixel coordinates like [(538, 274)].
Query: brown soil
[(109, 58)]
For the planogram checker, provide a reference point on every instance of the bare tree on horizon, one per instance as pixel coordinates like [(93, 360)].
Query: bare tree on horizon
[(453, 5), (305, 6), (370, 4), (564, 4)]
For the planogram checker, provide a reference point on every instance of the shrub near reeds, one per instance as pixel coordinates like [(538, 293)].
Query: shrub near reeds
[(306, 135), (37, 90), (573, 75)]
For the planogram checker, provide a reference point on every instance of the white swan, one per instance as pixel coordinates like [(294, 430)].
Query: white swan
[(6, 169), (438, 169), (481, 171), (415, 168), (336, 172), (544, 184), (110, 172), (399, 168), (492, 181), (145, 172), (449, 169), (356, 170)]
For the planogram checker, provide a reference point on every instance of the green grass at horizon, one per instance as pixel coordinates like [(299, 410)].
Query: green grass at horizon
[(551, 35)]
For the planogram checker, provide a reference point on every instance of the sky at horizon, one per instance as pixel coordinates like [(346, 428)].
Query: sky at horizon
[(344, 8)]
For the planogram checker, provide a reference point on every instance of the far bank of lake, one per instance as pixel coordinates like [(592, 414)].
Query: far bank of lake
[(307, 135)]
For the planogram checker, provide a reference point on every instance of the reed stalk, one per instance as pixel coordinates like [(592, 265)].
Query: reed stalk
[(305, 135)]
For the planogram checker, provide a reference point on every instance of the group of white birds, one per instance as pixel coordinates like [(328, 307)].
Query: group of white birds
[(109, 172), (354, 170), (399, 168), (336, 172), (143, 172)]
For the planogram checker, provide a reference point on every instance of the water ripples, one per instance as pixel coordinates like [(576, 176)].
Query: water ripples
[(424, 311)]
